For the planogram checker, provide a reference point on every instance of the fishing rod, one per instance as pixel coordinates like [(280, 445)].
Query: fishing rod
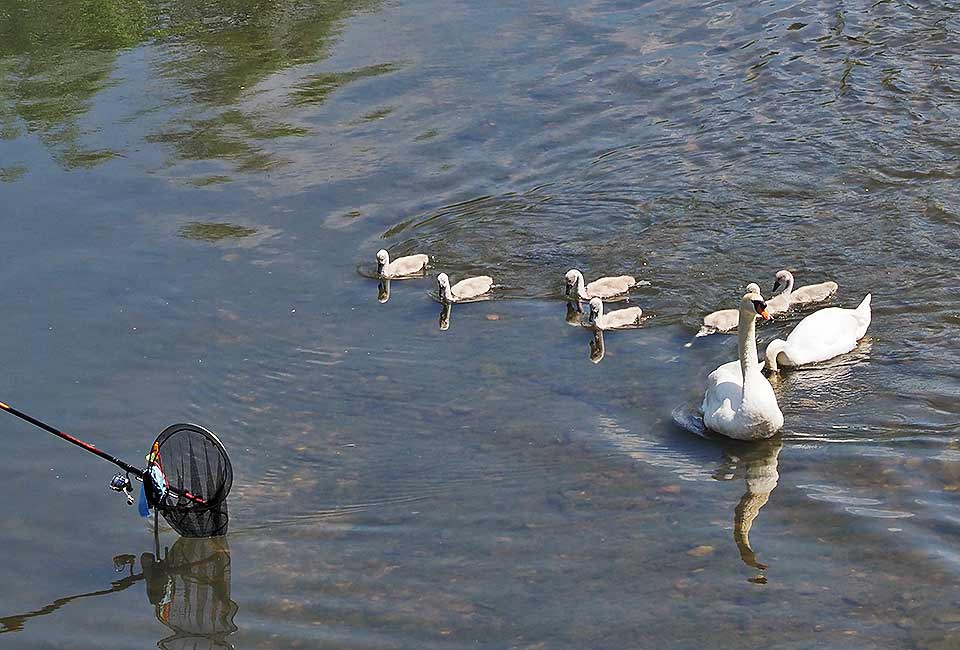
[(198, 465), (127, 467)]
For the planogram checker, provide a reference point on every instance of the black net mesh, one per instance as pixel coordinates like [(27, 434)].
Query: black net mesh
[(199, 477)]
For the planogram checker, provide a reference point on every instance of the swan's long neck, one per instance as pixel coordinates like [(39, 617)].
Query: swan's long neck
[(446, 293), (581, 287), (596, 315), (747, 335), (774, 348), (788, 289)]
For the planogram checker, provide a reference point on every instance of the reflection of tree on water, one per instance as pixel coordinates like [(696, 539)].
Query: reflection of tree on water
[(55, 57), (189, 590), (757, 464)]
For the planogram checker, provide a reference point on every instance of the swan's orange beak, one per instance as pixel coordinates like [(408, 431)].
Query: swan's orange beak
[(766, 315)]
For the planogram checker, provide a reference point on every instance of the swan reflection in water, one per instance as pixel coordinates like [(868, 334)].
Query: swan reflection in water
[(189, 590), (756, 463), (575, 315), (823, 386), (383, 290), (577, 318), (445, 309), (596, 346)]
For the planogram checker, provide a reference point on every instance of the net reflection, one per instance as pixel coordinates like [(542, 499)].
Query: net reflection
[(189, 590)]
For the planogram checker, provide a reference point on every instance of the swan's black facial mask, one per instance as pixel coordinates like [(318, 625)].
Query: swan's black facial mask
[(761, 308)]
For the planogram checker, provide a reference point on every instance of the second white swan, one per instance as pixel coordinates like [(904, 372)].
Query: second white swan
[(822, 335)]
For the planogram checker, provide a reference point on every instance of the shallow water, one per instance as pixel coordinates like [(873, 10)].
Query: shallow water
[(187, 194)]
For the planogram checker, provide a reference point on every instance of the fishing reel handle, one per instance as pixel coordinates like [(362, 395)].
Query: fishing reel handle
[(121, 483)]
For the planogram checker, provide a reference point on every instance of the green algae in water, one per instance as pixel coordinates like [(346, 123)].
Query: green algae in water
[(212, 232), (12, 173)]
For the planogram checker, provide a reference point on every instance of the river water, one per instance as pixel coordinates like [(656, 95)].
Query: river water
[(191, 197)]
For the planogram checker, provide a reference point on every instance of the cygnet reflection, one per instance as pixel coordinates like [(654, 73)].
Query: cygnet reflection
[(575, 315), (383, 290), (597, 348), (445, 309)]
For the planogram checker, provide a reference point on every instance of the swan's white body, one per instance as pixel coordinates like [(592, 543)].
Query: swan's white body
[(618, 319), (400, 267), (739, 401), (468, 289), (822, 335), (608, 287)]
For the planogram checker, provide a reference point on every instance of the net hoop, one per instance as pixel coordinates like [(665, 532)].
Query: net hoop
[(198, 477)]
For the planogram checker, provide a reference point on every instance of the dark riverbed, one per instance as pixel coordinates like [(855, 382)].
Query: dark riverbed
[(186, 194)]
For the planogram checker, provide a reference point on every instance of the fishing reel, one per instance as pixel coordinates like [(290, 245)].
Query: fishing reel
[(121, 483)]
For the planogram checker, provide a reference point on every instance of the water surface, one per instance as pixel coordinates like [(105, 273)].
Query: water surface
[(187, 193)]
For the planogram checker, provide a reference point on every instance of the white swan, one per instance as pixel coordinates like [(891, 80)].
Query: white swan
[(822, 335), (724, 320), (601, 288), (790, 297), (468, 289), (614, 320), (739, 401), (400, 267)]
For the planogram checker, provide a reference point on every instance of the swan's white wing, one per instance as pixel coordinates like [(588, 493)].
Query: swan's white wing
[(723, 320), (409, 265), (813, 293), (621, 318), (779, 303), (723, 394), (471, 287), (610, 286), (822, 335)]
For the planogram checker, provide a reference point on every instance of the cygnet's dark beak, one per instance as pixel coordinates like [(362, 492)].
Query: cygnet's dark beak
[(776, 285)]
